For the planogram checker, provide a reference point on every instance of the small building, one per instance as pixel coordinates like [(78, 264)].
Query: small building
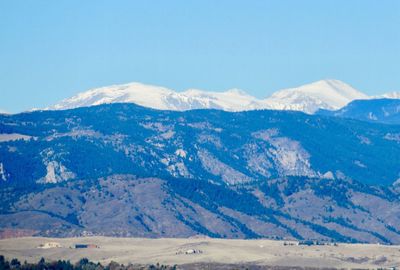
[(50, 245), (86, 246), (193, 251), (189, 251)]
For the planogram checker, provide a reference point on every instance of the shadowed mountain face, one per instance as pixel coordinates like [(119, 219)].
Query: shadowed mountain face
[(374, 110), (178, 174)]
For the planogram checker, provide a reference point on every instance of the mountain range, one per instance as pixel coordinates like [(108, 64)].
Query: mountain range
[(324, 94), (163, 173), (197, 163)]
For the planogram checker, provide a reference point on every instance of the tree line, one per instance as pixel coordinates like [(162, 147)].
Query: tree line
[(82, 264)]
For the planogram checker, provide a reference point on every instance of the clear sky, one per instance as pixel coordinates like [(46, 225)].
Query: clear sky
[(50, 50)]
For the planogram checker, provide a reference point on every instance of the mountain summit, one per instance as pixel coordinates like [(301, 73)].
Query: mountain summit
[(160, 98), (324, 94)]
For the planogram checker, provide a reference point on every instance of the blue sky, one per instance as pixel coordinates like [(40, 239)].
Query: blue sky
[(50, 50)]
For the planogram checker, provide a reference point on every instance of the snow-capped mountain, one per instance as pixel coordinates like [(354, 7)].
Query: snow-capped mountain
[(162, 98), (324, 94), (391, 95)]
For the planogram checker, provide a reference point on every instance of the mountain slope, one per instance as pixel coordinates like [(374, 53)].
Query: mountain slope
[(251, 174), (375, 110), (291, 208), (326, 94), (214, 145)]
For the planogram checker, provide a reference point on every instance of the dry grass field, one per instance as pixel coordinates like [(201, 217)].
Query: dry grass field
[(208, 253)]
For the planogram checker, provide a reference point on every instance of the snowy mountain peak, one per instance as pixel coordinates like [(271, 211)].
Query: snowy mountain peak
[(391, 95), (161, 98), (142, 94), (230, 92), (237, 91), (324, 94)]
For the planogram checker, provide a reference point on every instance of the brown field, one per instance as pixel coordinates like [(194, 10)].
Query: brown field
[(210, 253)]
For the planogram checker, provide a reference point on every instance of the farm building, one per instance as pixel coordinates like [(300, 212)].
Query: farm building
[(86, 246)]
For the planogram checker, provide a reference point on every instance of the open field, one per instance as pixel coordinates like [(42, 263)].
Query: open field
[(208, 251)]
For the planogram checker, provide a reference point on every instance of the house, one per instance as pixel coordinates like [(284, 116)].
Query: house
[(189, 251)]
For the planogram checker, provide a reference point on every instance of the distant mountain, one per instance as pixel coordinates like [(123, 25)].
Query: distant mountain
[(161, 98), (374, 110), (326, 94), (392, 95), (276, 174)]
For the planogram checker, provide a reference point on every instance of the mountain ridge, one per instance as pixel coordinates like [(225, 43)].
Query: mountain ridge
[(325, 94), (269, 127), (379, 110)]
